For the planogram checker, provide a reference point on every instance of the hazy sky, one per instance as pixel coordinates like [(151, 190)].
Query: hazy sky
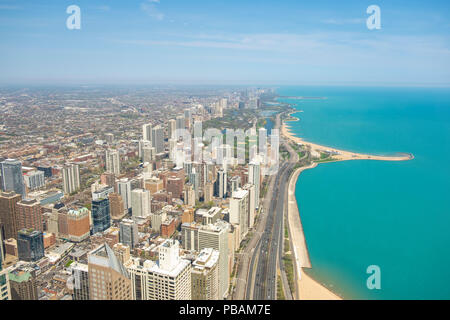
[(224, 42)]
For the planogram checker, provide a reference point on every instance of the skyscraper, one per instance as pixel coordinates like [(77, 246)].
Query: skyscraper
[(112, 161), (239, 211), (167, 279), (8, 213), (108, 278), (158, 139), (128, 234), (124, 189), (101, 218), (205, 275), (71, 178), (11, 177), (147, 132), (34, 180), (117, 206), (29, 215), (197, 237), (254, 177), (78, 224), (30, 245), (140, 203), (5, 291), (172, 128), (221, 184), (80, 278)]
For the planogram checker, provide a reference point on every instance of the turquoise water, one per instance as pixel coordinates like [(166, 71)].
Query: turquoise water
[(392, 214)]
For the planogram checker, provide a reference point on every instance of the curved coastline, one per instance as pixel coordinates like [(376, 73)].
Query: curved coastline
[(307, 287)]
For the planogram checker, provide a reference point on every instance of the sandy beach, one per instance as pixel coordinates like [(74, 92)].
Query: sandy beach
[(340, 155), (307, 287)]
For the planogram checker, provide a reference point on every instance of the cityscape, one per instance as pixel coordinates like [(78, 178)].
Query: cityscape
[(247, 153)]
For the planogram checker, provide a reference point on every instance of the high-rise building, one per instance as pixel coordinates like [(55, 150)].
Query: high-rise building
[(221, 184), (239, 208), (11, 178), (8, 213), (109, 137), (208, 192), (128, 234), (116, 206), (254, 177), (158, 139), (172, 128), (78, 225), (205, 275), (108, 278), (197, 237), (122, 252), (29, 214), (71, 178), (34, 179), (235, 183), (112, 161), (169, 278), (30, 244), (140, 203), (157, 219), (23, 284), (181, 123), (175, 186), (189, 195), (149, 154), (147, 132), (101, 218), (251, 203), (108, 178), (80, 278), (5, 290), (124, 189)]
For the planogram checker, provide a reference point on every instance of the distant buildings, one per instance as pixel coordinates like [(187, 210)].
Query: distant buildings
[(147, 132), (71, 178), (117, 206), (34, 180), (140, 203), (112, 161), (221, 184), (128, 234), (101, 218), (30, 245), (254, 177), (11, 178), (108, 278), (124, 189), (158, 139)]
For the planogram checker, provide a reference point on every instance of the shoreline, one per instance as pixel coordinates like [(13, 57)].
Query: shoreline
[(339, 155), (308, 288)]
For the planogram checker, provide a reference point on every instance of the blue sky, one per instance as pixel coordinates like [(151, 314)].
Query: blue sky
[(225, 42)]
